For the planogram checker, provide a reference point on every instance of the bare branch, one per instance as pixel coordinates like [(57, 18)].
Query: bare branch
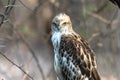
[(2, 19), (93, 36), (25, 5), (116, 2), (108, 26), (99, 17), (6, 13), (9, 8), (13, 6), (16, 65), (113, 17), (29, 48), (33, 54), (102, 6)]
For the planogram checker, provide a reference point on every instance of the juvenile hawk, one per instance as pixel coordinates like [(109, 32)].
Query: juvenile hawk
[(73, 57)]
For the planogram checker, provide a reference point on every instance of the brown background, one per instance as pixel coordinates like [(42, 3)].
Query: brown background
[(25, 37)]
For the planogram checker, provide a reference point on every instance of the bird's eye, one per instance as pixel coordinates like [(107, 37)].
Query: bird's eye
[(64, 23), (54, 24)]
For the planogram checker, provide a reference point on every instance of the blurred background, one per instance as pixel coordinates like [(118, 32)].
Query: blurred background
[(26, 52)]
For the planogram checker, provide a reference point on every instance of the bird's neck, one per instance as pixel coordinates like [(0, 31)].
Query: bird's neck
[(56, 38)]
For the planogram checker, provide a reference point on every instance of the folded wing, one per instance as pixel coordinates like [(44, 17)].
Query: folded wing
[(77, 60)]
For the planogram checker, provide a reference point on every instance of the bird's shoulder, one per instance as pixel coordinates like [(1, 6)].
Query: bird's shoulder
[(74, 42)]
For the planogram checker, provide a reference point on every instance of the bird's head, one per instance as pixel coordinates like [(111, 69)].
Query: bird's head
[(61, 23)]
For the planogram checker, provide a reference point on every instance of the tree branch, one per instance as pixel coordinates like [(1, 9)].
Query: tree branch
[(7, 11), (16, 65), (29, 48), (25, 5)]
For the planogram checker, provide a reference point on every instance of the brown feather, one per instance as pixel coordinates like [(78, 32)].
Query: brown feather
[(82, 57)]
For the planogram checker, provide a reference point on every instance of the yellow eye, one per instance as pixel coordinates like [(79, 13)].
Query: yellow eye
[(65, 23)]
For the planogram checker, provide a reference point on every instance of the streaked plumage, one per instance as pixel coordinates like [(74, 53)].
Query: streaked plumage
[(73, 57)]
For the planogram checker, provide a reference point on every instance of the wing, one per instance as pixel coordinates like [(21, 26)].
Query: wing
[(77, 60)]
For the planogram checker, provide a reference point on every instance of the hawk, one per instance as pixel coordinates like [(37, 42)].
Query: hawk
[(73, 57)]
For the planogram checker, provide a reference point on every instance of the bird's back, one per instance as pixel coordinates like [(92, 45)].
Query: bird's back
[(77, 60)]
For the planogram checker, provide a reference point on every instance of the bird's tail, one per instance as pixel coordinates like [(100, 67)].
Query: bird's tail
[(95, 74)]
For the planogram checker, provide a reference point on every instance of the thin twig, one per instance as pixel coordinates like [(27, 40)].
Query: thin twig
[(13, 6), (16, 65), (93, 36), (116, 2), (7, 11), (99, 17), (30, 49), (25, 5), (33, 54), (113, 17), (2, 19), (102, 6), (108, 26)]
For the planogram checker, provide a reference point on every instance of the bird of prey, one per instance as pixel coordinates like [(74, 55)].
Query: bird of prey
[(73, 57), (116, 2)]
